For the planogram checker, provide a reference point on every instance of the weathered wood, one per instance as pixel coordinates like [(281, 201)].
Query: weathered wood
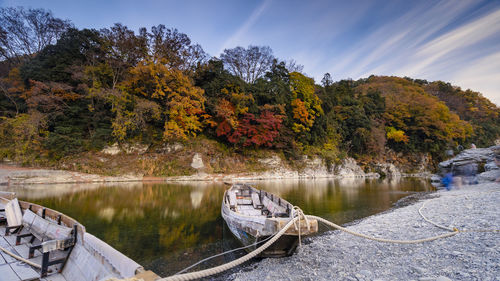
[(251, 221), (7, 273), (24, 271), (58, 233)]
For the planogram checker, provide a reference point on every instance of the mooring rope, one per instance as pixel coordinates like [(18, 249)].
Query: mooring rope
[(451, 228), (298, 215), (416, 241), (224, 253), (224, 267)]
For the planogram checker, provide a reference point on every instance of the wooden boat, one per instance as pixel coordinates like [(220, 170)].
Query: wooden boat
[(58, 247), (253, 215)]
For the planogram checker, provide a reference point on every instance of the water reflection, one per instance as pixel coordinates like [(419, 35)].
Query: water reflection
[(166, 227)]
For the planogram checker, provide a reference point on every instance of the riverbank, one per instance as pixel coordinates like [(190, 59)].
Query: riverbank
[(15, 175), (341, 256)]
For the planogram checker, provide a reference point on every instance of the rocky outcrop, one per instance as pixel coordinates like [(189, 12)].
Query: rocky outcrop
[(474, 161), (115, 148), (349, 168), (387, 170), (112, 150), (170, 148)]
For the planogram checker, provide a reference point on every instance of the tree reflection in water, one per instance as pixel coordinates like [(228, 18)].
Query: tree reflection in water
[(166, 227)]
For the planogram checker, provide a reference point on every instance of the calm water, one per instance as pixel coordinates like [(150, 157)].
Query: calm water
[(166, 227)]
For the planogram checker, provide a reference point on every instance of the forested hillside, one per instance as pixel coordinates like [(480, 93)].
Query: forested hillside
[(66, 92)]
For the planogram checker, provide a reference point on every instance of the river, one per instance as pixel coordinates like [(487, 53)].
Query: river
[(166, 227)]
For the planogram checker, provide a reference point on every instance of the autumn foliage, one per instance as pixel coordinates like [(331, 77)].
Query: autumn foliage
[(84, 89)]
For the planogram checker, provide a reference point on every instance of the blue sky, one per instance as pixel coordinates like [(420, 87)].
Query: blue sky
[(456, 41)]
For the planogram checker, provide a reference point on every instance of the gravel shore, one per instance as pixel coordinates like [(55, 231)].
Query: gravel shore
[(337, 255)]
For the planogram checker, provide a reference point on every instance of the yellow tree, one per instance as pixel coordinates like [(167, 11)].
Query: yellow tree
[(305, 104), (181, 103)]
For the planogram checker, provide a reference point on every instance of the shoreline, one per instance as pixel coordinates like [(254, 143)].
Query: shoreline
[(337, 255), (15, 175)]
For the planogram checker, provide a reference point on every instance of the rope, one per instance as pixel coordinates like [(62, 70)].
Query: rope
[(431, 222), (224, 267), (383, 239), (221, 254), (451, 228), (297, 216), (20, 258), (298, 213)]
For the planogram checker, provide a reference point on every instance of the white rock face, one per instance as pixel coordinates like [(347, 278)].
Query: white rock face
[(112, 150), (349, 168), (388, 169), (468, 156), (197, 162), (315, 169), (273, 161)]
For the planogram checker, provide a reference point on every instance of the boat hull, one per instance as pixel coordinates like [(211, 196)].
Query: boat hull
[(283, 247), (250, 229)]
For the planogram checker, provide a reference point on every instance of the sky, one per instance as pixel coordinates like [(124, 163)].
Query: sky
[(454, 41)]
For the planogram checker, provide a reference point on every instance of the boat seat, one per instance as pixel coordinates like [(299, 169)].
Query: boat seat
[(52, 237), (232, 200), (244, 201), (13, 215), (256, 201), (272, 206)]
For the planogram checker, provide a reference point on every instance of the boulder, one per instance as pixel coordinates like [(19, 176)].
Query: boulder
[(349, 168), (197, 162), (388, 169), (467, 163)]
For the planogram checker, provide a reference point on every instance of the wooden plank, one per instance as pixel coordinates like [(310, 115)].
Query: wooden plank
[(37, 258), (4, 243), (11, 239), (2, 260), (23, 250), (7, 273), (24, 271)]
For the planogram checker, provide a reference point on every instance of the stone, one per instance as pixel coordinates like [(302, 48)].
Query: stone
[(112, 150), (388, 169), (489, 175), (349, 168), (443, 278), (197, 162), (170, 147), (490, 166), (135, 148), (365, 272)]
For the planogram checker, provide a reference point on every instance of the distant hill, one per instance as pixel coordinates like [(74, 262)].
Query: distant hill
[(86, 89)]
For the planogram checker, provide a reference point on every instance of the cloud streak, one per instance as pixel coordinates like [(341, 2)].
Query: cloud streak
[(245, 27)]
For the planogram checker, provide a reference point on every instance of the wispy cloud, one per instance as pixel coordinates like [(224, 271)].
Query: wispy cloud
[(396, 40), (481, 75), (455, 40), (233, 40)]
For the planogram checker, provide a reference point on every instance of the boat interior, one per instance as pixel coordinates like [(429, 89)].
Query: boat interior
[(246, 200), (57, 244)]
